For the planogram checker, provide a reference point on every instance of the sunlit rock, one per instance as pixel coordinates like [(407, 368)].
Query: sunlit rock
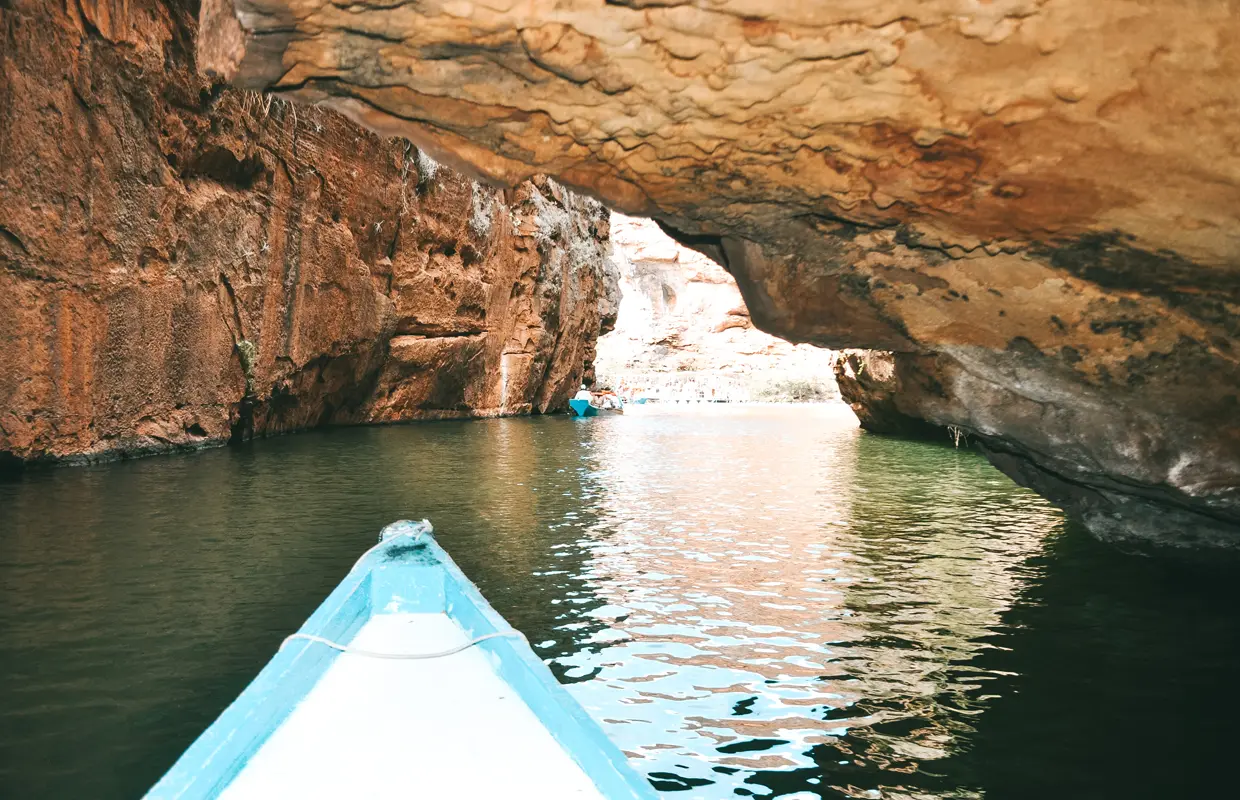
[(683, 331), (1036, 205)]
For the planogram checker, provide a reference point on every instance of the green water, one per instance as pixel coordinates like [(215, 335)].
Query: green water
[(758, 603)]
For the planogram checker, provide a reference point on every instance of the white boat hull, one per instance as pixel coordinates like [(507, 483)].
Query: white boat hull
[(486, 722)]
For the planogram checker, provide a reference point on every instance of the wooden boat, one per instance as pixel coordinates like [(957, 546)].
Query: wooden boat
[(583, 408), (405, 683)]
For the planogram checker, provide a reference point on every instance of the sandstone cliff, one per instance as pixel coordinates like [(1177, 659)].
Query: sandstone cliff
[(1034, 203), (868, 382), (682, 324), (182, 263)]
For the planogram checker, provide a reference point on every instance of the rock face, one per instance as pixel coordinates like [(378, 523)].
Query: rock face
[(868, 382), (1034, 203), (1109, 459), (683, 327), (182, 263)]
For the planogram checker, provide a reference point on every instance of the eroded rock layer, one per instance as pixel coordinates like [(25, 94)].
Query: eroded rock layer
[(1036, 203), (868, 382), (183, 263)]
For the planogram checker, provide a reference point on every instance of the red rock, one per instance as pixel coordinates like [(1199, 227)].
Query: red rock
[(153, 223)]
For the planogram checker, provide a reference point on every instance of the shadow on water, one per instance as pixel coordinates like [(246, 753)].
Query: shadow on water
[(1118, 681), (757, 604), (1105, 676)]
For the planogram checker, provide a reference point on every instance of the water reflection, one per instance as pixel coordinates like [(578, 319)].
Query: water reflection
[(757, 603), (792, 598)]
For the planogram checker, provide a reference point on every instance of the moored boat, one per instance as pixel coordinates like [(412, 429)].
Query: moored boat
[(404, 683), (588, 408), (583, 408)]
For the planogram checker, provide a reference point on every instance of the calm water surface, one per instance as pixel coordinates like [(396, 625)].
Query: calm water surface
[(756, 603)]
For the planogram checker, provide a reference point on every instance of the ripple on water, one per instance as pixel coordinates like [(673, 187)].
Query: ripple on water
[(782, 594), (755, 602)]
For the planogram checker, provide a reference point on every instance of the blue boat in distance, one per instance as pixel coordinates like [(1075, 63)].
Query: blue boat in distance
[(405, 683), (583, 408)]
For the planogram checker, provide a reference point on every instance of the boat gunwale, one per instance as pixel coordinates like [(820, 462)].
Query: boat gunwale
[(586, 410), (223, 750)]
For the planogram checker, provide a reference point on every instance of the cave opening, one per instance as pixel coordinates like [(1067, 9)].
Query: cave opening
[(1011, 558)]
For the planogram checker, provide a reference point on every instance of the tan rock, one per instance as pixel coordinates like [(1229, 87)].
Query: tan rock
[(794, 143)]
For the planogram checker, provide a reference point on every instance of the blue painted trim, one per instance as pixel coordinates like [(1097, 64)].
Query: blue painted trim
[(583, 408), (576, 731), (396, 578), (216, 757)]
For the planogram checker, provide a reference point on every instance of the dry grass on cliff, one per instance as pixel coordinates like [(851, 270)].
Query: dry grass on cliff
[(427, 169), (482, 211)]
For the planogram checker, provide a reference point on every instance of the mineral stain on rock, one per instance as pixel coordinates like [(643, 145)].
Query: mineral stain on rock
[(183, 264)]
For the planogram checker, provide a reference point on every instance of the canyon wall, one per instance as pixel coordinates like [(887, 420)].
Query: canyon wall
[(1035, 204), (683, 329), (868, 383), (182, 263)]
